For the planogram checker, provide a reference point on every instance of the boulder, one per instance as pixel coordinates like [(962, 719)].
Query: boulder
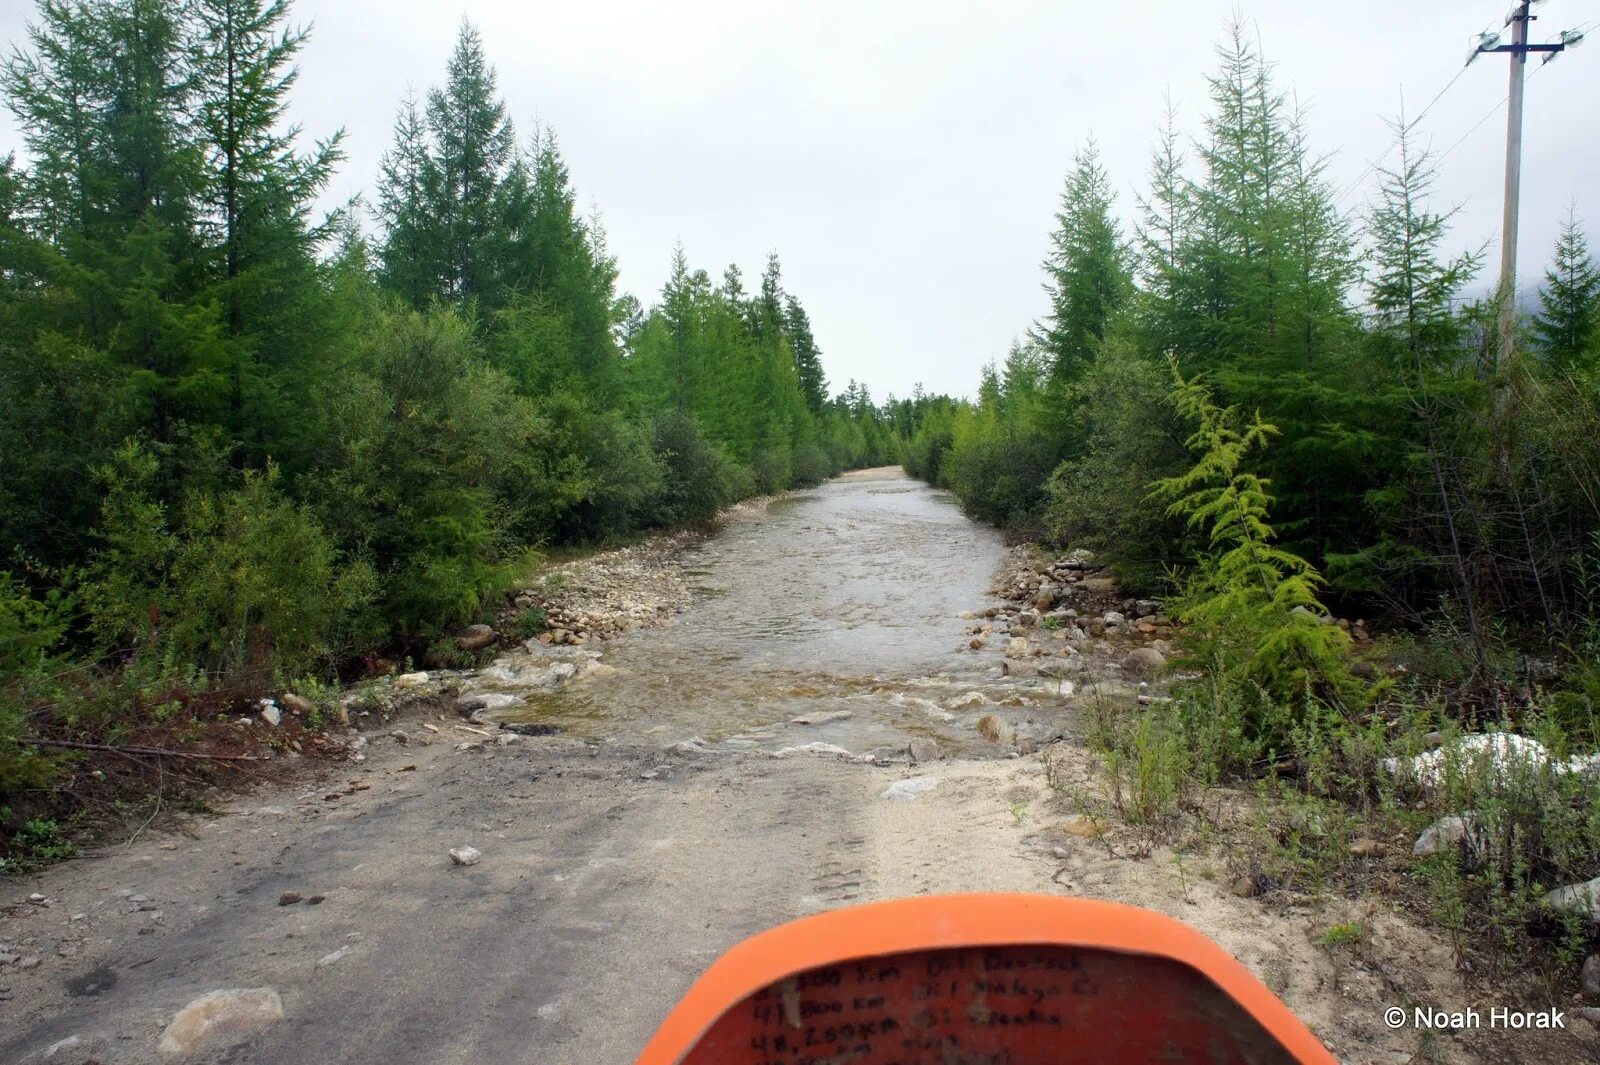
[(1144, 663), (1146, 607), (296, 704), (270, 712), (1098, 584), (923, 749), (476, 637), (1576, 898), (1245, 887), (466, 855), (1591, 976), (221, 1018), (1457, 830), (1013, 667), (411, 680)]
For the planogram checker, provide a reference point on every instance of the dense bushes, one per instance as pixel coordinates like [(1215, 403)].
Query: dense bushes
[(244, 449)]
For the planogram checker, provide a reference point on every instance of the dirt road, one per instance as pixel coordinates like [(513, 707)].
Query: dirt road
[(613, 872)]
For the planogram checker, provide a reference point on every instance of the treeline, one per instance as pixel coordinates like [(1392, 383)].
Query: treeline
[(242, 443), (1420, 478)]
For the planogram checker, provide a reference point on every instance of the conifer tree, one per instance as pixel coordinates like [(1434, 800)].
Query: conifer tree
[(1567, 328), (807, 357), (473, 146), (408, 190), (1087, 269)]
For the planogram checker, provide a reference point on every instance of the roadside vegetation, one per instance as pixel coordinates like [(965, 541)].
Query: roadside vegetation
[(246, 449), (1276, 409)]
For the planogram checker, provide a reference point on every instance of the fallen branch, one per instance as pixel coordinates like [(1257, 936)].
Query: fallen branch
[(135, 751)]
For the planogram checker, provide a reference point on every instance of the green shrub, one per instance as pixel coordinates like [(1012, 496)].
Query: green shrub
[(248, 582), (1251, 607), (811, 465), (772, 469), (696, 480)]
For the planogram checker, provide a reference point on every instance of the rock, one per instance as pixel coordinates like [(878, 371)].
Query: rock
[(1011, 667), (468, 705), (1026, 620), (476, 637), (1114, 617), (1578, 898), (1496, 753), (221, 1015), (909, 789), (526, 729), (71, 1042), (288, 898), (1588, 1013), (1367, 848), (1307, 823), (1045, 600), (466, 855), (296, 704), (507, 739), (1098, 584), (270, 712), (1590, 978), (30, 963), (694, 745), (969, 700), (1095, 627), (812, 748), (1144, 662), (823, 719), (976, 645), (1017, 647), (923, 749), (400, 736), (1146, 607), (1448, 832), (1245, 887), (989, 728), (410, 680), (1306, 612), (334, 958)]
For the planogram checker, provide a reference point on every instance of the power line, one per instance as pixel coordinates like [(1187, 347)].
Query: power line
[(1409, 126)]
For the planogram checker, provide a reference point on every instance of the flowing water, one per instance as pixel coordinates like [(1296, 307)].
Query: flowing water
[(840, 605)]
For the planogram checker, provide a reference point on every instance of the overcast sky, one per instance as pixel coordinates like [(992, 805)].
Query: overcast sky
[(905, 158)]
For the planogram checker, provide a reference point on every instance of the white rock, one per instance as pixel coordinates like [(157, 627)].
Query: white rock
[(1583, 898), (1448, 832), (227, 1014), (909, 789), (692, 745), (69, 1043), (1499, 751), (466, 855), (333, 958), (410, 680), (812, 748), (270, 712), (824, 718)]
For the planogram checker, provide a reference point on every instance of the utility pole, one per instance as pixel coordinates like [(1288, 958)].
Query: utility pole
[(1519, 19)]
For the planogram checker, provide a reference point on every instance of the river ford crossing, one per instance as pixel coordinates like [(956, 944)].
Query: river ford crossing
[(616, 866)]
